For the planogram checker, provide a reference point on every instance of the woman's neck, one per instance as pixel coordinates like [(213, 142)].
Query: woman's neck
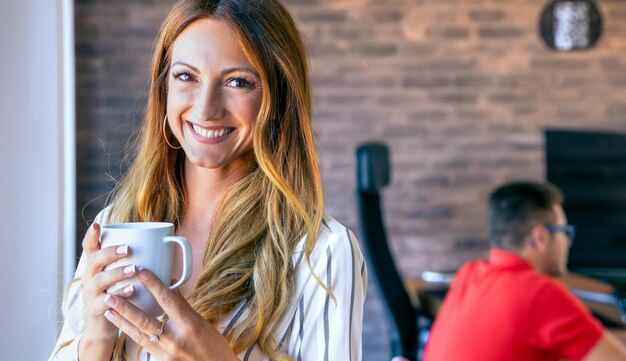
[(204, 189)]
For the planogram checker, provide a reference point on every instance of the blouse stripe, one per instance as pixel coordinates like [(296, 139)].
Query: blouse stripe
[(352, 291), (287, 332), (247, 355), (329, 285), (234, 319), (301, 309), (326, 224), (299, 260), (74, 298)]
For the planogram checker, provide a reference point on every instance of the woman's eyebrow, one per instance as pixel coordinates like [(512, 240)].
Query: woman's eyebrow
[(240, 68), (224, 72), (187, 65)]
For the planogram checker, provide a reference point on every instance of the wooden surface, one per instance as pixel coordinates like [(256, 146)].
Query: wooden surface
[(573, 280), (425, 295)]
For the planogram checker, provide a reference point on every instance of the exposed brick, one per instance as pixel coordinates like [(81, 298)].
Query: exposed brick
[(94, 49), (385, 16), (426, 82), (428, 115), (447, 32), (473, 80), (618, 81), (616, 110), (354, 33), (452, 64), (562, 64), (403, 131), (500, 32), (432, 213), (398, 100), (421, 49), (433, 181), (372, 81), (461, 90), (322, 50), (375, 50), (454, 98), (473, 244), (509, 97), (613, 65), (485, 15), (323, 16)]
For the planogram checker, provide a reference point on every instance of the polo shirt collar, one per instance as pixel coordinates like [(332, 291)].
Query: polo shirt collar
[(507, 260)]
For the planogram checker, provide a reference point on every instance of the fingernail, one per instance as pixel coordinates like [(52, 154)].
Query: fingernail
[(110, 300), (143, 274), (91, 229), (129, 269), (128, 289), (109, 315), (122, 250)]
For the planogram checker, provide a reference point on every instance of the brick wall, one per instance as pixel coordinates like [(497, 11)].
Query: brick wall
[(460, 89)]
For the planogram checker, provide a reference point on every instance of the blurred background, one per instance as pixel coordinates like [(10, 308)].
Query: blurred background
[(462, 91)]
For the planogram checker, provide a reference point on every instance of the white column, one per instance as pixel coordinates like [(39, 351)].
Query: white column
[(34, 108)]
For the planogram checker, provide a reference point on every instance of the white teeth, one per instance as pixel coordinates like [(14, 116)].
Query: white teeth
[(210, 133)]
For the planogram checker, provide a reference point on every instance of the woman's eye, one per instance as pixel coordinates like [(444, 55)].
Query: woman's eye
[(184, 76), (240, 83)]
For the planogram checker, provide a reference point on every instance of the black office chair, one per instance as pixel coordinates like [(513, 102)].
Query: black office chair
[(372, 174)]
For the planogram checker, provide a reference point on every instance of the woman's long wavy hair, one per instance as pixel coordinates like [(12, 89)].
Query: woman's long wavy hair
[(261, 217)]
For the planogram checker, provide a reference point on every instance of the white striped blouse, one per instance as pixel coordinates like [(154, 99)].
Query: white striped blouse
[(314, 327)]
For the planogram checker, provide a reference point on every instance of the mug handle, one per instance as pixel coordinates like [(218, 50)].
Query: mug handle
[(186, 248)]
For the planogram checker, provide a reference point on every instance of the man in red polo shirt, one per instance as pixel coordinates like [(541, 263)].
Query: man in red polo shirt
[(507, 308)]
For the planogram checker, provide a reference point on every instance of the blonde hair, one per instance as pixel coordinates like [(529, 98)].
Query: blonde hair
[(263, 216)]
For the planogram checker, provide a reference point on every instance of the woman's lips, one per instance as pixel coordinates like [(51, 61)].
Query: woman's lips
[(210, 136)]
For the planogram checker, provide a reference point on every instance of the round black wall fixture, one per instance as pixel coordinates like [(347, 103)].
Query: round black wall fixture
[(567, 25)]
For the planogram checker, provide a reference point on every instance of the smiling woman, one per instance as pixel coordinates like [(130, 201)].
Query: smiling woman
[(226, 153), (214, 95)]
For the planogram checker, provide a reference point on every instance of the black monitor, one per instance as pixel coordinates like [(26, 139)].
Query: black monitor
[(590, 169)]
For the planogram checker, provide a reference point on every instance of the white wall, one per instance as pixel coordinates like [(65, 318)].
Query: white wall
[(32, 176)]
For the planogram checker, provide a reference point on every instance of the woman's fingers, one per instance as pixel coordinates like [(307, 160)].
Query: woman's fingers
[(169, 302), (98, 307), (125, 292), (131, 320), (104, 257), (105, 279), (91, 241)]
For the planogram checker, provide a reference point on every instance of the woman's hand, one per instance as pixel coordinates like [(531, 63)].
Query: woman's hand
[(99, 333), (186, 336)]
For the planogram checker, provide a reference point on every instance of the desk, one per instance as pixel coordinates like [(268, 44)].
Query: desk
[(429, 296)]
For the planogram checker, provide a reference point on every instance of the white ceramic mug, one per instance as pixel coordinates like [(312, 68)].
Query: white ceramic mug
[(151, 247)]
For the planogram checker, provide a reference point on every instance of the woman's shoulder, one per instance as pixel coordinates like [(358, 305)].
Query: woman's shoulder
[(333, 238), (332, 225)]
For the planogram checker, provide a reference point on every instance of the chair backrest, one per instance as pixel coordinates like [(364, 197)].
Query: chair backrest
[(373, 172)]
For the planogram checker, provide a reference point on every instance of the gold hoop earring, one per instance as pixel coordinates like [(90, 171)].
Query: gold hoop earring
[(165, 135)]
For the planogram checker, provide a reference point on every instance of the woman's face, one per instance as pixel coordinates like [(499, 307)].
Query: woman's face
[(214, 95)]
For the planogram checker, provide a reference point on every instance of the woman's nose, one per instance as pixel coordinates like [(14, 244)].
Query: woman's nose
[(208, 104)]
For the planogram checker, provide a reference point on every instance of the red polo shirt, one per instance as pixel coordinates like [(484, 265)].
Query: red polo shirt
[(502, 310)]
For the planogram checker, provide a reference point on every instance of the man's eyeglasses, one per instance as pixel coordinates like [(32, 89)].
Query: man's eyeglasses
[(568, 229)]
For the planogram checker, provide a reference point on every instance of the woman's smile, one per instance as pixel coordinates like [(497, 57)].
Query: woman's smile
[(210, 135)]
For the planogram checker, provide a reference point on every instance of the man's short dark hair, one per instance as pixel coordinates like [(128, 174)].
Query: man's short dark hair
[(515, 208)]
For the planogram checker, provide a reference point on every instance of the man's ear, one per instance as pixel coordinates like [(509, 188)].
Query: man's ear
[(538, 237)]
